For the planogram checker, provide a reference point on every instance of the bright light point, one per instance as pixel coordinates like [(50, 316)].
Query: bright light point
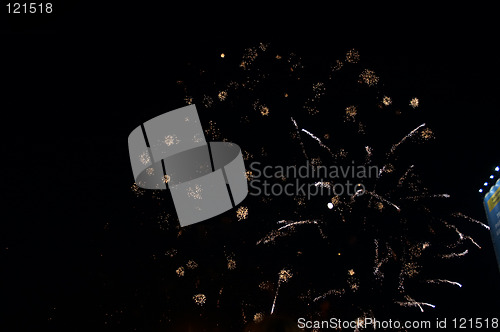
[(480, 190), (222, 55), (338, 254), (330, 206), (486, 183), (497, 168), (492, 176)]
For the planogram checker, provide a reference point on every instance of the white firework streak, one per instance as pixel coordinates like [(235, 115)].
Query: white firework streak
[(438, 281), (376, 256), (287, 229), (403, 178), (272, 236), (412, 303), (302, 222), (428, 196), (378, 263), (383, 199), (276, 296), (460, 214), (460, 234), (282, 277), (410, 134), (300, 139), (454, 254), (319, 141), (330, 292)]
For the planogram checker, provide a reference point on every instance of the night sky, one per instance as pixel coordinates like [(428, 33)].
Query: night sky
[(80, 251)]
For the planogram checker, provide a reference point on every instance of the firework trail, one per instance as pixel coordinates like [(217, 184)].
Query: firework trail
[(395, 146), (302, 222), (329, 293), (382, 199), (319, 141), (403, 178), (378, 263), (412, 303), (461, 215), (287, 229), (455, 255), (414, 198), (460, 234), (388, 246), (300, 139), (283, 277), (442, 281)]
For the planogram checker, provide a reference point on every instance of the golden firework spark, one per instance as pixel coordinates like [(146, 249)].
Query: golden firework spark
[(242, 213), (191, 265), (316, 161), (258, 317), (335, 200), (180, 271), (249, 175), (171, 252), (319, 89), (414, 102), (311, 110), (248, 57), (200, 299), (266, 285), (207, 101), (222, 95), (387, 101), (350, 113), (301, 200), (285, 275), (231, 264), (427, 133), (337, 66), (137, 190), (352, 56), (368, 77), (247, 155), (213, 131), (195, 192)]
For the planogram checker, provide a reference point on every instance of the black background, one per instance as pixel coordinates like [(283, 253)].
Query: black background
[(74, 84)]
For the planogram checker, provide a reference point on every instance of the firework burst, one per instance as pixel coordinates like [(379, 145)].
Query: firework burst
[(379, 245)]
